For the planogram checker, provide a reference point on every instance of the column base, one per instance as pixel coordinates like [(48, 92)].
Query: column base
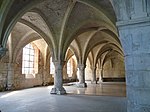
[(100, 81), (9, 87), (94, 82), (58, 91), (81, 85)]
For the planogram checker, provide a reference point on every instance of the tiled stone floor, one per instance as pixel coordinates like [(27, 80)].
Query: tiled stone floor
[(39, 100)]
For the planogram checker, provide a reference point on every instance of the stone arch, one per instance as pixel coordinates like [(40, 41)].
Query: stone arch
[(76, 49), (106, 42), (84, 27), (21, 44), (48, 37), (20, 12)]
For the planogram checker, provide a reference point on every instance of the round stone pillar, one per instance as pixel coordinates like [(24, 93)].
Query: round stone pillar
[(101, 75), (58, 79), (81, 76)]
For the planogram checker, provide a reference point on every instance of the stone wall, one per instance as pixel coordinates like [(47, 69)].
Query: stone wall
[(74, 72), (3, 76), (43, 77), (88, 73), (113, 68), (11, 76)]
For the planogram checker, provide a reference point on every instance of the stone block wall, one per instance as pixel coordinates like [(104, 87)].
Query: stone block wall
[(114, 69), (3, 76), (88, 73), (11, 75)]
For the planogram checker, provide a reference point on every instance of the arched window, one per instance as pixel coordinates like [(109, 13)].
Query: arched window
[(52, 67), (30, 60), (70, 67)]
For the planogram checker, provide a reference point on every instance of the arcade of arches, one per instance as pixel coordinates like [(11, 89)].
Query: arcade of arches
[(44, 42)]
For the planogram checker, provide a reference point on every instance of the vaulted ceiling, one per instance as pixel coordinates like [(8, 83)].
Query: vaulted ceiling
[(83, 25)]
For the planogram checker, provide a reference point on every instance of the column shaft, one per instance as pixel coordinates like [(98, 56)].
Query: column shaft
[(58, 79), (81, 76)]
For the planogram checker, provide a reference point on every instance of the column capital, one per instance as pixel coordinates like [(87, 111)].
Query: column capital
[(2, 51), (101, 68), (93, 67), (81, 66), (58, 64)]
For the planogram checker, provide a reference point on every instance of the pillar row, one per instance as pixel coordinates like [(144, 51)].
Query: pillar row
[(58, 79)]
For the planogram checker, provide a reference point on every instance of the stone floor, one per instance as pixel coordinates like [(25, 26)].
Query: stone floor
[(77, 100), (103, 89)]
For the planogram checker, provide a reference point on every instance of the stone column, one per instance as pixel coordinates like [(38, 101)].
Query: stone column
[(93, 74), (58, 79), (81, 76), (139, 8), (135, 39), (100, 75)]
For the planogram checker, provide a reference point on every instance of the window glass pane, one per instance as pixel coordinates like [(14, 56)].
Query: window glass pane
[(26, 64), (69, 67), (31, 52), (28, 59), (27, 46), (31, 64), (52, 67), (26, 50), (23, 69), (31, 58), (31, 70)]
